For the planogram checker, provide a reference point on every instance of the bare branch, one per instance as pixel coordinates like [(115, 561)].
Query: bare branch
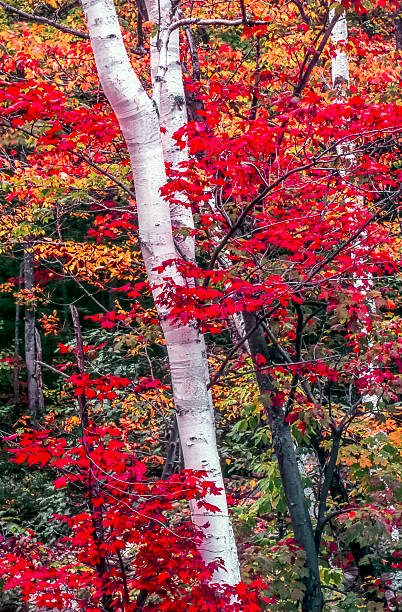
[(44, 20), (49, 367), (329, 474), (304, 78), (89, 161), (212, 22)]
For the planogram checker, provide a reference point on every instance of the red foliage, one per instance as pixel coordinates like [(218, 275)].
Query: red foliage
[(121, 540)]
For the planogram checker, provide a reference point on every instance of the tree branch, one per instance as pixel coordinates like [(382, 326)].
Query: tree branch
[(303, 79), (288, 359), (257, 199), (49, 367), (388, 200), (212, 22), (238, 345), (329, 474), (89, 161), (44, 20)]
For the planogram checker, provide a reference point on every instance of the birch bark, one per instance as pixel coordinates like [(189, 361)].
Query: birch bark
[(140, 124), (341, 84), (340, 62), (169, 97)]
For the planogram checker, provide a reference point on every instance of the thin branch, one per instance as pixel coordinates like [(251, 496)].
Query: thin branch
[(302, 11), (316, 56), (257, 199), (288, 359), (340, 512), (329, 474), (81, 156), (89, 161), (238, 345), (49, 367), (89, 294), (212, 22), (388, 200), (44, 20)]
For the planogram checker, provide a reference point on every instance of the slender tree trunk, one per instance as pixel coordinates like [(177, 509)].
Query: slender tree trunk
[(193, 102), (16, 373), (340, 61), (139, 121), (35, 396), (398, 28), (172, 447), (341, 83), (16, 379), (169, 97), (38, 373), (288, 468)]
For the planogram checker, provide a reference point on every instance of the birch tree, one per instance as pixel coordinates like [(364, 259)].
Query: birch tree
[(341, 84), (141, 120)]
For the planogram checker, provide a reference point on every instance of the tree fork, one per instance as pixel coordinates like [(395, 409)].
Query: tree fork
[(140, 123)]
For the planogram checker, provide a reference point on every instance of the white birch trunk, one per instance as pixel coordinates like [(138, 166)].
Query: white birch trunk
[(340, 62), (340, 77), (139, 122), (341, 83), (169, 97)]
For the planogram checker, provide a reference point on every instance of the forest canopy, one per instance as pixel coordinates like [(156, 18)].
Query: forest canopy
[(201, 317)]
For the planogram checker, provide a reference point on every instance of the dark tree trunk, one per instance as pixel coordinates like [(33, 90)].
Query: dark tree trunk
[(398, 28), (35, 396), (38, 347), (172, 447), (142, 15), (16, 373), (288, 467)]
